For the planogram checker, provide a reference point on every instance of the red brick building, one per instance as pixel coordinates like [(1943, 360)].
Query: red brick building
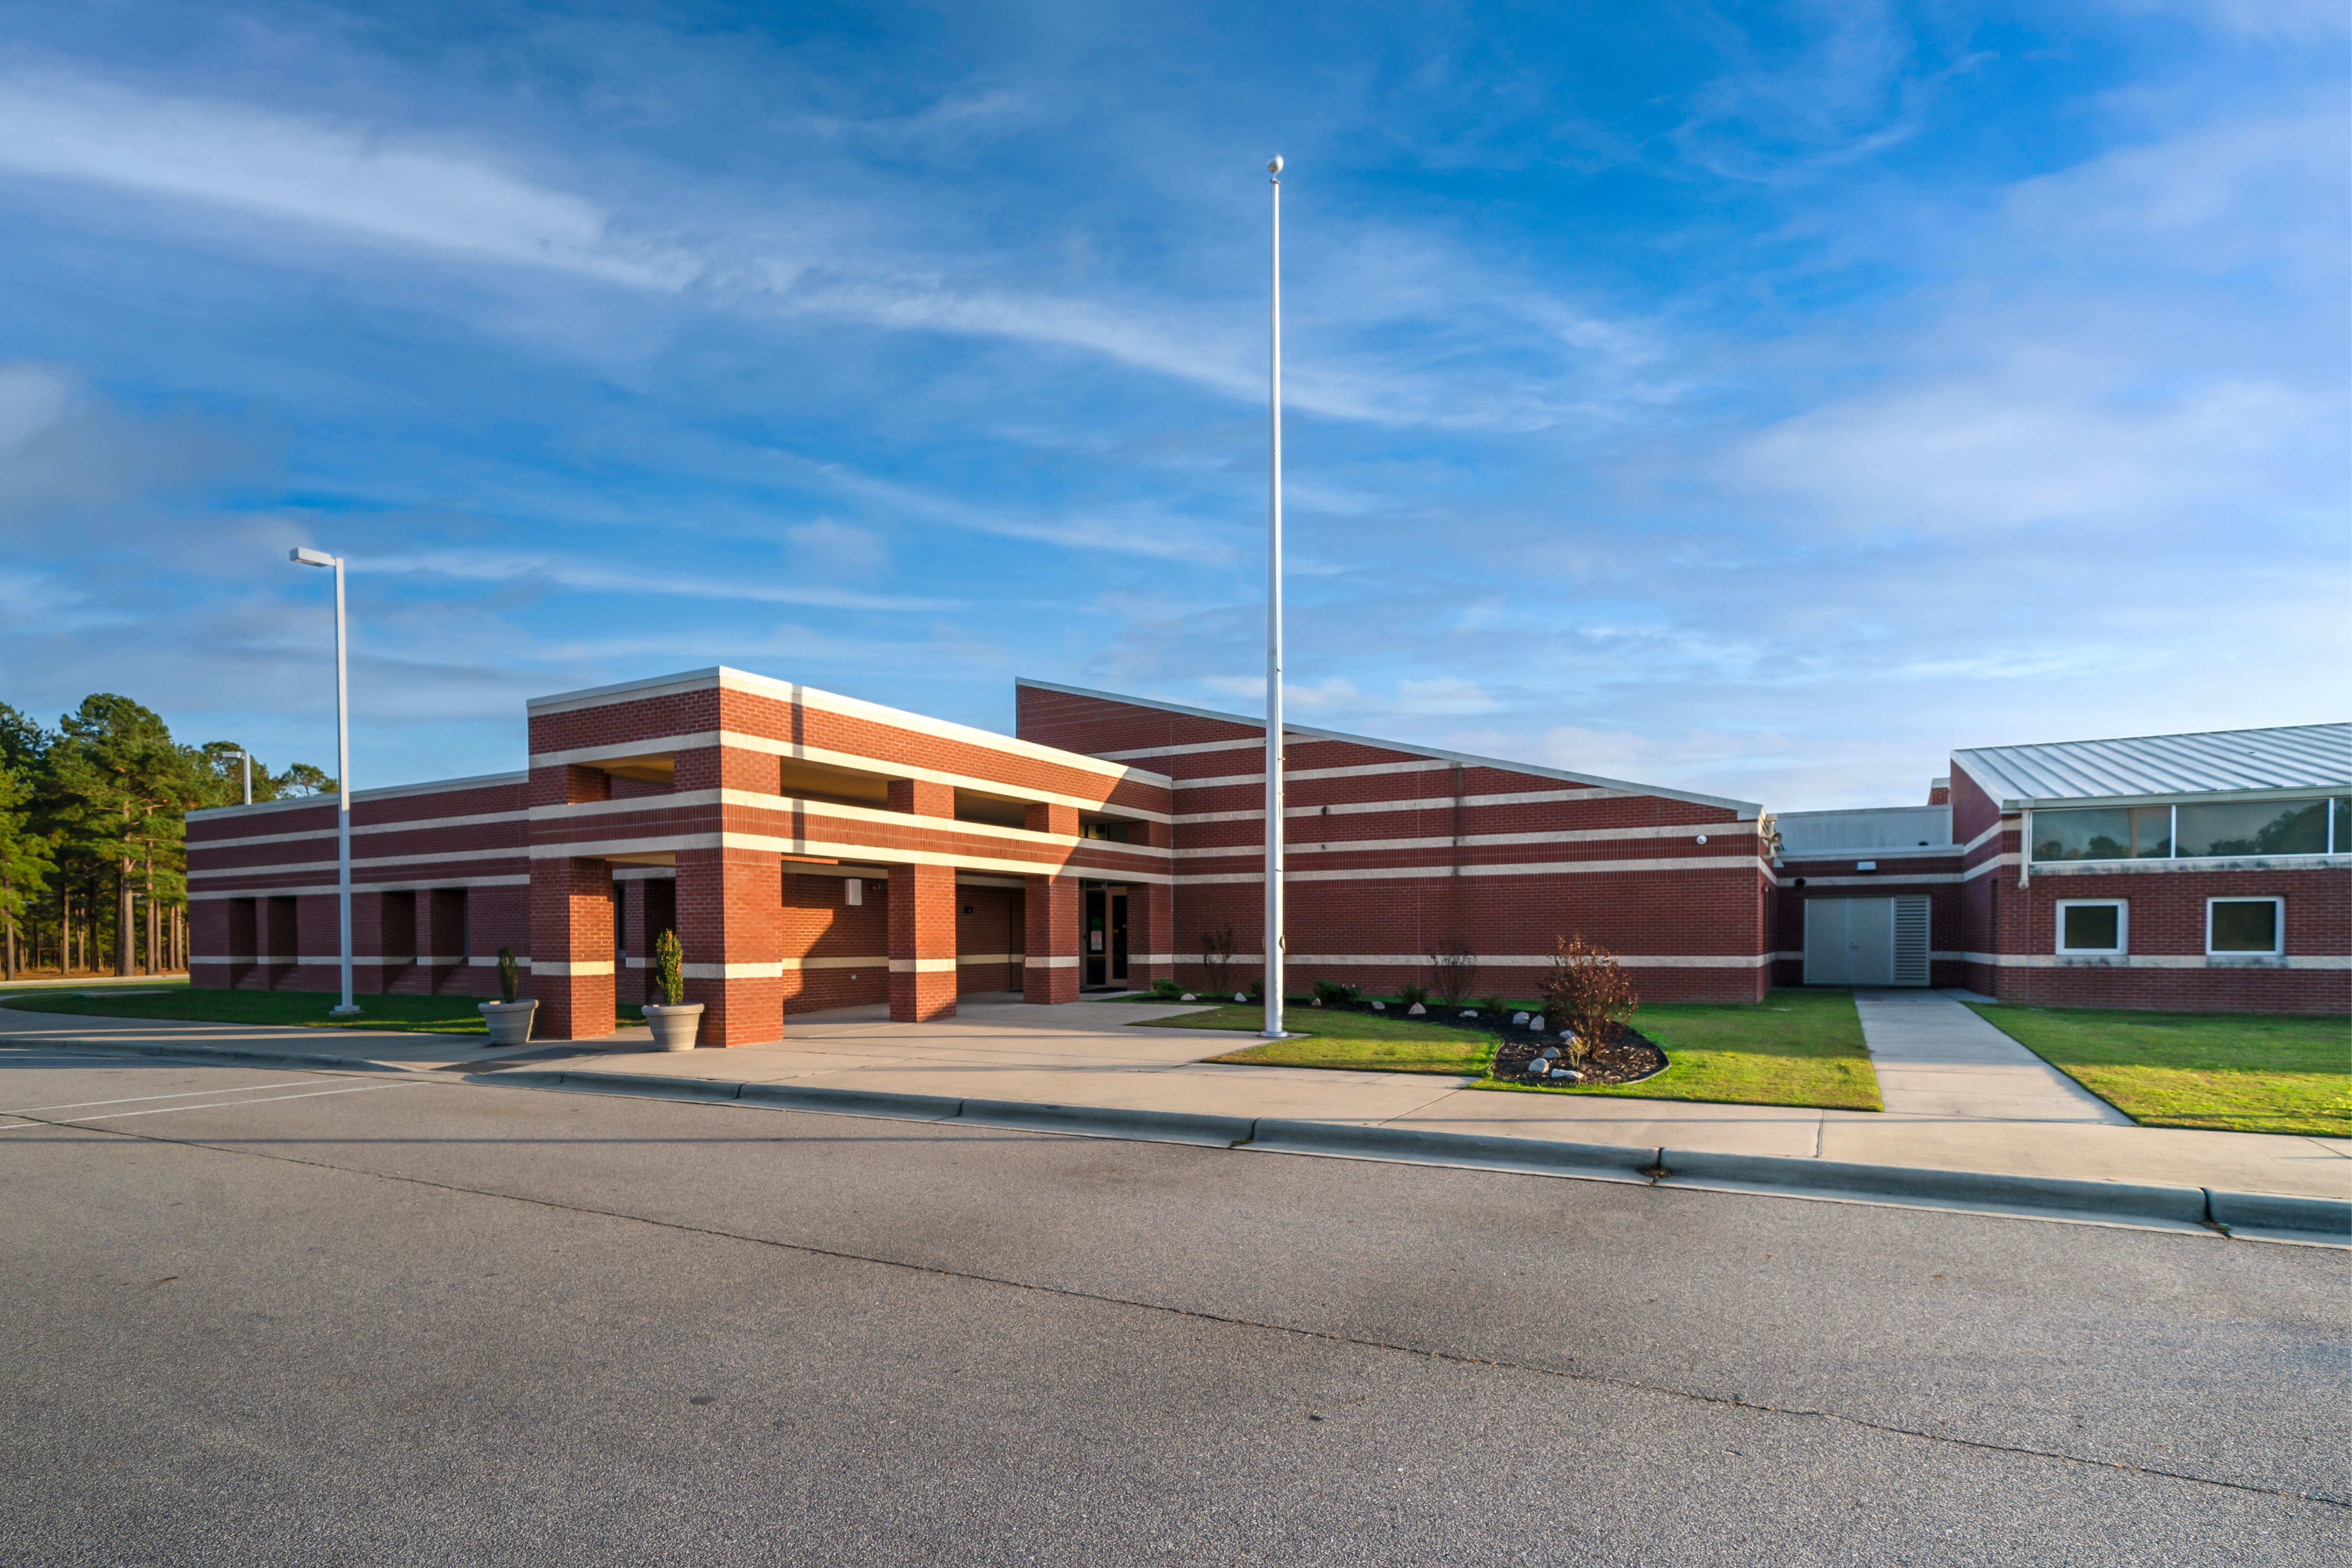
[(815, 851), (2203, 872)]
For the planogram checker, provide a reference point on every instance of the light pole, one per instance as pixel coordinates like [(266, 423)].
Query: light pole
[(342, 774), (1274, 823), (246, 758)]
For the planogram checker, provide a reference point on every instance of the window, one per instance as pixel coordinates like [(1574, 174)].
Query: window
[(2094, 926), (2245, 927), (2254, 827), (1109, 832), (2192, 830), (2104, 833)]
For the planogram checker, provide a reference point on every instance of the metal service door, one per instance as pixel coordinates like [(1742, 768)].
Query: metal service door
[(1849, 942)]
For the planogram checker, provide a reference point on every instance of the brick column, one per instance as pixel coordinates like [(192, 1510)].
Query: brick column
[(730, 921), (922, 943), (631, 978), (1050, 969), (571, 949), (1151, 933)]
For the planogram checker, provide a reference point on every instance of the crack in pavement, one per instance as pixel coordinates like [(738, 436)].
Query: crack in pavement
[(1456, 1358)]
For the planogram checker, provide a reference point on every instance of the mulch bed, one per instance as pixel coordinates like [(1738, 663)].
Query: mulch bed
[(1629, 1058)]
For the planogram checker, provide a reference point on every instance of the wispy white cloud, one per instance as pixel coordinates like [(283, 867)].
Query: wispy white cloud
[(591, 577)]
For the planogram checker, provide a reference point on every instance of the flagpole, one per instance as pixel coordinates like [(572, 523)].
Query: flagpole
[(1274, 818)]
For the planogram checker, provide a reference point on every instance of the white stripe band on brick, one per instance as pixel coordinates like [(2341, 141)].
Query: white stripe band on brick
[(922, 966)]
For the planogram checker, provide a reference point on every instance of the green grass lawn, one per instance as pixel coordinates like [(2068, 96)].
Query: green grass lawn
[(1795, 1047), (2229, 1072), (299, 1009), (1355, 1041)]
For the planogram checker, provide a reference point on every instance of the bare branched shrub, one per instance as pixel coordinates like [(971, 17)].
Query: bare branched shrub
[(1587, 992), (1217, 956), (1455, 968)]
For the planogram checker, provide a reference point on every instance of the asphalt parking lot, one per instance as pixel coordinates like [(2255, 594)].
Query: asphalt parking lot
[(265, 1317)]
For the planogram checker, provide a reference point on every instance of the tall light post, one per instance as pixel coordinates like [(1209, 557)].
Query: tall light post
[(245, 758), (342, 774), (1274, 822)]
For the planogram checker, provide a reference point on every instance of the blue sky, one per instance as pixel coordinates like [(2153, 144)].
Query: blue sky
[(1757, 399)]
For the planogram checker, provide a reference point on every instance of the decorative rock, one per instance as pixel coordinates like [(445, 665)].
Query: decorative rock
[(1380, 1006), (1519, 1018), (1188, 996), (1241, 995), (1569, 1073), (1567, 1034), (1551, 1053), (1469, 1012), (1535, 1023), (1416, 1010)]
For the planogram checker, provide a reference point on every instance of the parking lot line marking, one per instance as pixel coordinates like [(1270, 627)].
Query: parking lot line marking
[(218, 1105), (135, 1099)]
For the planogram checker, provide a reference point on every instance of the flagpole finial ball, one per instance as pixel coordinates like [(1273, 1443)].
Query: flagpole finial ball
[(1274, 167)]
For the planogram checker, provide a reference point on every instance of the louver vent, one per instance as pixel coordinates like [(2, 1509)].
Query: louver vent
[(1910, 942)]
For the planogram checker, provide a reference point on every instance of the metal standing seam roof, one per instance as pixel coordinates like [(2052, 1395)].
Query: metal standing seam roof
[(2216, 762)]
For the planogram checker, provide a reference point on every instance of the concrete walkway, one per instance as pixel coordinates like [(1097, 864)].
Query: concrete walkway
[(1935, 1058), (1956, 1100)]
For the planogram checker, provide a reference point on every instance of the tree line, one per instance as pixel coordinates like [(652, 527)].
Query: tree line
[(93, 835)]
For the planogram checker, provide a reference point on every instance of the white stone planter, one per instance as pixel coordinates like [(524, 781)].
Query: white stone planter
[(674, 1028), (509, 1021)]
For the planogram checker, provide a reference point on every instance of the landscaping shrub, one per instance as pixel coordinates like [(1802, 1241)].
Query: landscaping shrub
[(1217, 957), (1587, 992), (1413, 995), (1334, 993), (1455, 968), (510, 975), (1167, 988), (1258, 989), (1493, 1004)]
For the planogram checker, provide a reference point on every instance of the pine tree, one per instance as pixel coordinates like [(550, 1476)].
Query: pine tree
[(25, 863)]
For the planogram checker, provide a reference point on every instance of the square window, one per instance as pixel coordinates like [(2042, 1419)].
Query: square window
[(2243, 926), (2093, 925)]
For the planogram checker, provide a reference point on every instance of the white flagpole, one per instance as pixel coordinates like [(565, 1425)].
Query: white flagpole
[(1274, 821)]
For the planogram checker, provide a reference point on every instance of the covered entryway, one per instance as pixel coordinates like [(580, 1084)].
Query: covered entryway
[(1866, 941)]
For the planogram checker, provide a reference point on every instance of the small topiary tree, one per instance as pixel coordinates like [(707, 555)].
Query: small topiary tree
[(1587, 992), (509, 976), (1166, 988), (670, 969)]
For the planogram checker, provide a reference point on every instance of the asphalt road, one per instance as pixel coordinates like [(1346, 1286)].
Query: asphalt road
[(261, 1317)]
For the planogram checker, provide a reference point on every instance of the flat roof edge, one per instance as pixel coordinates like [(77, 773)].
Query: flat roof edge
[(1744, 808), (385, 792)]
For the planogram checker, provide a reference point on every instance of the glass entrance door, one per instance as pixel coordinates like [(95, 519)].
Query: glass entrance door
[(1102, 942)]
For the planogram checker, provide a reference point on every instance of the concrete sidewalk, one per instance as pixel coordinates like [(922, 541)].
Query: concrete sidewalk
[(1956, 1100)]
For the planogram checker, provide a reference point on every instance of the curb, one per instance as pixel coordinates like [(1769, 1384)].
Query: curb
[(1591, 1161), (2130, 1201), (1153, 1126), (2260, 1215), (2272, 1216)]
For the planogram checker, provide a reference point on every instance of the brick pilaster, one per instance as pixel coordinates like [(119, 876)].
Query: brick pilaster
[(922, 941), (571, 949), (1151, 932), (730, 921), (1050, 971)]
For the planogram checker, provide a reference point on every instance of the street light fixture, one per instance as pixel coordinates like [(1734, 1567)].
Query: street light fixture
[(342, 775), (246, 758)]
